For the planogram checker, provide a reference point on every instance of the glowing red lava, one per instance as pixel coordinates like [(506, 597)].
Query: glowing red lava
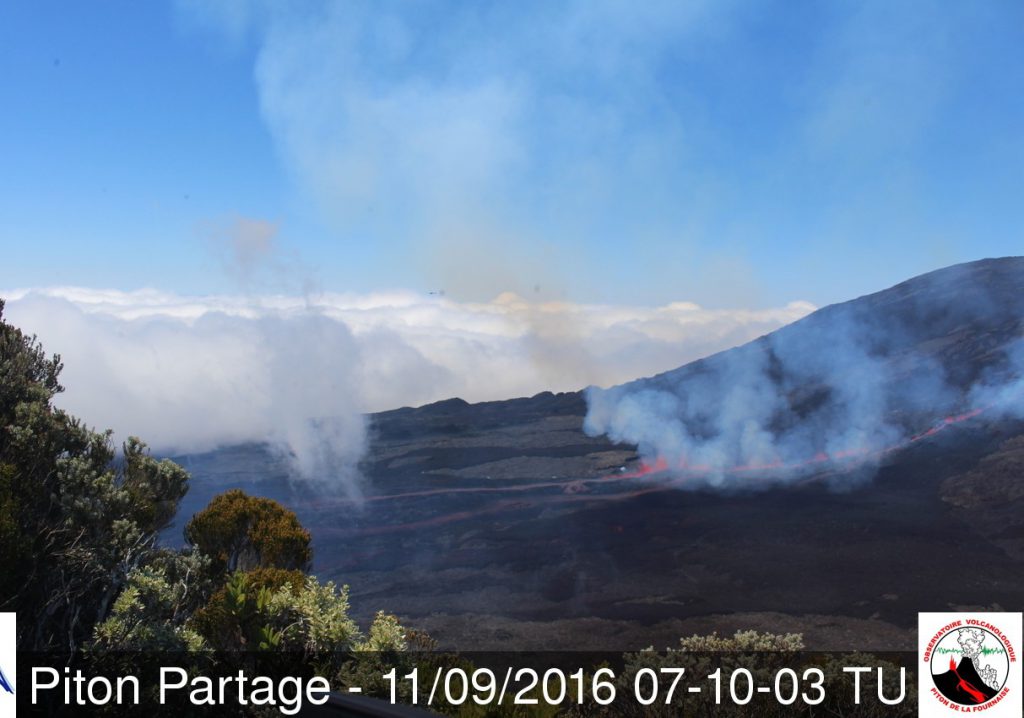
[(976, 695), (661, 464), (576, 489)]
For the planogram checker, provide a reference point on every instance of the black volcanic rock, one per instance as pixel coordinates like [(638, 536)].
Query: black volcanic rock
[(503, 525), (457, 415)]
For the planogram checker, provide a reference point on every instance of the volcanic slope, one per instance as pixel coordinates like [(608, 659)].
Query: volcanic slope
[(502, 525)]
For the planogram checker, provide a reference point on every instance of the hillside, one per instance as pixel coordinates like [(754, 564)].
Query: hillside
[(505, 525)]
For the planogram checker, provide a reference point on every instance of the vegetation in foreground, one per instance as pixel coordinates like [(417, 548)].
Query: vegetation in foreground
[(78, 543)]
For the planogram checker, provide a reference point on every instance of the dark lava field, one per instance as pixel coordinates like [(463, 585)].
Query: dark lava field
[(503, 526)]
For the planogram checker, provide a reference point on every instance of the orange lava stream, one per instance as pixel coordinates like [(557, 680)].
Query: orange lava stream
[(661, 465), (576, 489)]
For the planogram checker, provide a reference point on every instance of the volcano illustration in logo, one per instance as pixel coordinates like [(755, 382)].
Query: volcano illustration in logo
[(969, 666)]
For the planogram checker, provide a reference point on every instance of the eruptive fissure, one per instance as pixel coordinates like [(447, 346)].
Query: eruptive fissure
[(660, 464), (829, 399), (847, 383), (657, 473)]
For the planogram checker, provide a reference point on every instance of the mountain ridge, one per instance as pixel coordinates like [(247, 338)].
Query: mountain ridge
[(974, 270), (503, 525)]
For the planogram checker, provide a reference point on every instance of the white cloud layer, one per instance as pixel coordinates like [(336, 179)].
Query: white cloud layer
[(193, 373)]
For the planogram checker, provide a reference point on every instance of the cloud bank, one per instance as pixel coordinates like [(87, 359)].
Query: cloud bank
[(193, 373)]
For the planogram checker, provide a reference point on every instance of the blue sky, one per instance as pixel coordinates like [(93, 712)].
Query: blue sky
[(729, 153)]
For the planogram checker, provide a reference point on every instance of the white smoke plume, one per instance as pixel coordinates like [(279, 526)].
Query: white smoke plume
[(194, 373), (845, 385)]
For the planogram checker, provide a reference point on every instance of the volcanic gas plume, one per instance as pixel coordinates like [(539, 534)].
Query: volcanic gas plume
[(847, 384), (646, 477)]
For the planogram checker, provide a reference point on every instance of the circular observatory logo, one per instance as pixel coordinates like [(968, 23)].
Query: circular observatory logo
[(970, 665)]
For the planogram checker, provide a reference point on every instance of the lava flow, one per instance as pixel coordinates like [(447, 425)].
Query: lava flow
[(577, 489), (965, 686), (661, 465)]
